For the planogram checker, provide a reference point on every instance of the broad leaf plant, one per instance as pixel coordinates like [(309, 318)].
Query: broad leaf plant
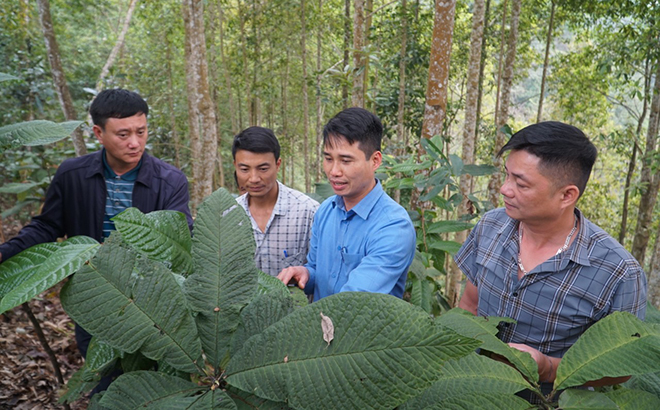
[(194, 324)]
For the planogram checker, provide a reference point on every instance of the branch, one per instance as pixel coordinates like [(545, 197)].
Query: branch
[(118, 46)]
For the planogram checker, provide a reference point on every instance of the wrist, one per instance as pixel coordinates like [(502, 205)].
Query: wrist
[(550, 370)]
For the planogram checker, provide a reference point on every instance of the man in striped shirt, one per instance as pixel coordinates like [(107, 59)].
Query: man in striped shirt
[(86, 192)]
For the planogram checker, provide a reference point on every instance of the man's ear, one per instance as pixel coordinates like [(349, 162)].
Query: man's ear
[(98, 131), (376, 159), (570, 195)]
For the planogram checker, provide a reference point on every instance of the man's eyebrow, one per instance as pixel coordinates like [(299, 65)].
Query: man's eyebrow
[(341, 156), (263, 164), (519, 176)]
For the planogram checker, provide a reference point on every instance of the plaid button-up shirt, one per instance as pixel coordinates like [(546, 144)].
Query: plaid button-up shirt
[(559, 299), (285, 241)]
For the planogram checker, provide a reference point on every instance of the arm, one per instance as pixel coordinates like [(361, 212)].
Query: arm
[(180, 198), (470, 299)]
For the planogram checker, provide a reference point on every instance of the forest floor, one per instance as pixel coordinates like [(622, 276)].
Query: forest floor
[(27, 378)]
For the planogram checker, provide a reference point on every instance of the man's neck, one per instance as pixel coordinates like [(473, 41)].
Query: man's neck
[(266, 202), (551, 232)]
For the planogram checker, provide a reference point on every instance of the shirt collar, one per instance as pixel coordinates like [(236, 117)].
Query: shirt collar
[(282, 203), (108, 172), (366, 204)]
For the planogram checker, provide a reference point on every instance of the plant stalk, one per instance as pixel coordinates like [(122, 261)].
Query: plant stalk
[(46, 346)]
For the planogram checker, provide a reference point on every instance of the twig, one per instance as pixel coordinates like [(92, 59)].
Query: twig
[(46, 346)]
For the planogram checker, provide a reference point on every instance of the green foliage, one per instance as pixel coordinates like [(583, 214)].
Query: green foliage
[(230, 337), (36, 132)]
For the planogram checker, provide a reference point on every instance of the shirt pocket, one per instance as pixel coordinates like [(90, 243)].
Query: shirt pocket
[(351, 260), (297, 259)]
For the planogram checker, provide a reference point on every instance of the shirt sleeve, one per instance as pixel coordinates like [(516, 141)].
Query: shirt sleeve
[(389, 253), (311, 258), (630, 295), (466, 256), (180, 198), (46, 227)]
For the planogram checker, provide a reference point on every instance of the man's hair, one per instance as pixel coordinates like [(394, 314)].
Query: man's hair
[(566, 154), (116, 103), (256, 139), (355, 125)]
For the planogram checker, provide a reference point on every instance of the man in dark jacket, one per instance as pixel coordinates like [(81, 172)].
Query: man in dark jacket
[(88, 191)]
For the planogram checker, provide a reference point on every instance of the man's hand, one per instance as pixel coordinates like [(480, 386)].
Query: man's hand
[(547, 365), (298, 274)]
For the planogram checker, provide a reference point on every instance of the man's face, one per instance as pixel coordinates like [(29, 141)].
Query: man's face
[(529, 196), (256, 172), (124, 140), (349, 172)]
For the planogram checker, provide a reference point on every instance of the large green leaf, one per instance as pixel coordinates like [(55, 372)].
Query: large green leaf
[(383, 352), (17, 187), (421, 293), (485, 329), (576, 399), (628, 399), (612, 347), (38, 268), (490, 401), (448, 246), (143, 389), (469, 377), (133, 303), (32, 133), (225, 276), (262, 312), (649, 382), (478, 170), (162, 235), (100, 360), (247, 401), (448, 226), (7, 77)]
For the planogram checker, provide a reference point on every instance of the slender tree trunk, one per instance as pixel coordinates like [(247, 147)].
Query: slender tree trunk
[(484, 50), (225, 69), (635, 148), (201, 115), (118, 46), (500, 59), (469, 134), (402, 74), (59, 78), (319, 104), (368, 17), (435, 109), (649, 180), (255, 100), (213, 23), (548, 43), (303, 49), (285, 117), (170, 103), (507, 82), (246, 72), (357, 95), (347, 46)]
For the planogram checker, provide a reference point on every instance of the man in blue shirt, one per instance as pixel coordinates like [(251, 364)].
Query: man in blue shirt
[(538, 260), (362, 240)]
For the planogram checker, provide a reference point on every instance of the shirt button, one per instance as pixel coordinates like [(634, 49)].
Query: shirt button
[(515, 294), (117, 203), (338, 248)]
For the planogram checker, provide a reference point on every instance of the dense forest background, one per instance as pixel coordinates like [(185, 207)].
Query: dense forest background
[(465, 72)]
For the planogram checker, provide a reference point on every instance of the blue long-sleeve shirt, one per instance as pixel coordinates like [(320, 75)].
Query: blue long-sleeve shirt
[(367, 249)]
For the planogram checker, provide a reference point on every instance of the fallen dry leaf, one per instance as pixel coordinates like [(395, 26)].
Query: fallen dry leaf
[(328, 328)]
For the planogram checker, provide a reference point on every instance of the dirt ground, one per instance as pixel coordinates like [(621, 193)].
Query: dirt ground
[(27, 378)]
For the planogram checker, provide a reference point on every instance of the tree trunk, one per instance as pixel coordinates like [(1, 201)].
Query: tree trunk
[(118, 46), (633, 158), (649, 181), (305, 119), (654, 273), (357, 95), (453, 289), (170, 103), (201, 116), (246, 72), (484, 50), (507, 82), (347, 46), (435, 109), (228, 90), (500, 58), (402, 75), (59, 78), (368, 17), (548, 42), (319, 104)]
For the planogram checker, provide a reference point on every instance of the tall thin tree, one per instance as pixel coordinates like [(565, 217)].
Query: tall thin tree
[(503, 115), (305, 119), (469, 138), (201, 115), (357, 95), (548, 43), (59, 78)]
